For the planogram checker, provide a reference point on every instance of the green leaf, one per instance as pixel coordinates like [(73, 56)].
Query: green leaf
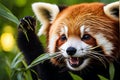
[(111, 71), (6, 13), (18, 58), (28, 75), (42, 58), (18, 67), (102, 78), (75, 77)]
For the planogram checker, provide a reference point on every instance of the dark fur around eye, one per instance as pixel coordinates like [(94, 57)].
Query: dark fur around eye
[(63, 37), (86, 37)]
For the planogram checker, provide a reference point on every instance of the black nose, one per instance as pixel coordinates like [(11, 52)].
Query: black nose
[(71, 51)]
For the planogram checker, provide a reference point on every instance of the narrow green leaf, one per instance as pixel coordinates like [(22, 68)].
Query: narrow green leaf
[(24, 63), (18, 58), (28, 75), (75, 77), (111, 71), (42, 58), (35, 74), (19, 76), (6, 13), (102, 78)]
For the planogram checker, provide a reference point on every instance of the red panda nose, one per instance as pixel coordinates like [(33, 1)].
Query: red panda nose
[(71, 51)]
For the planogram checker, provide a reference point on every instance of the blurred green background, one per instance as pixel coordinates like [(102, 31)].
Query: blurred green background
[(8, 29)]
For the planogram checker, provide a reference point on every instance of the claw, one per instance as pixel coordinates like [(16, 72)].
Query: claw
[(28, 23)]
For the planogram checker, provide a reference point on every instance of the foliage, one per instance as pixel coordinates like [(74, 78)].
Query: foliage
[(7, 14), (13, 65), (111, 71), (75, 77), (19, 69)]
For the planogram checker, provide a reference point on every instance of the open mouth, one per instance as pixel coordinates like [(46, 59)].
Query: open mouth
[(76, 61)]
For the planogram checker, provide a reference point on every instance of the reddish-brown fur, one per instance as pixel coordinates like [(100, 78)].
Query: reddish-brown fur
[(91, 15)]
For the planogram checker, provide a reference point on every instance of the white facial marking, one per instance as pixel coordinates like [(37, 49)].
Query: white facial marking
[(106, 44), (77, 44), (82, 29), (87, 29), (52, 43), (64, 30)]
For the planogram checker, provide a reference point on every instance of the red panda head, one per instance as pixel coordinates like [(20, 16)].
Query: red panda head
[(81, 33)]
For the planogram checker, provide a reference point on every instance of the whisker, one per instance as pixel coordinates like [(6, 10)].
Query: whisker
[(92, 48), (98, 58), (101, 55), (61, 59), (96, 53), (58, 52)]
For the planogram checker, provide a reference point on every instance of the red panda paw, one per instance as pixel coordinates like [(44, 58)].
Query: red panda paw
[(27, 23)]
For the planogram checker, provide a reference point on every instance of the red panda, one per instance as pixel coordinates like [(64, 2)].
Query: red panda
[(86, 35)]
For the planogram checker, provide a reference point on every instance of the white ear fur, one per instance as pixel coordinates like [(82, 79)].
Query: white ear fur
[(45, 13), (112, 10)]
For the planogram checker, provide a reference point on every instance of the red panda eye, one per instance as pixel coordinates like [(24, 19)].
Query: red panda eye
[(63, 37), (86, 37)]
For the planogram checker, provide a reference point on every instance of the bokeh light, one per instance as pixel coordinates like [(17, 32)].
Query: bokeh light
[(8, 29), (20, 3), (7, 41)]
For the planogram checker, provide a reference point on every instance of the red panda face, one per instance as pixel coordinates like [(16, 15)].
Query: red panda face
[(82, 33), (75, 48), (79, 43)]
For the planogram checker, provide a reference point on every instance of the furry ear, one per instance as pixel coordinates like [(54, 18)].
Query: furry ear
[(45, 13), (112, 10)]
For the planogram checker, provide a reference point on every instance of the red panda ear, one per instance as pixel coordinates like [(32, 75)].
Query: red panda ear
[(112, 10), (45, 13)]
